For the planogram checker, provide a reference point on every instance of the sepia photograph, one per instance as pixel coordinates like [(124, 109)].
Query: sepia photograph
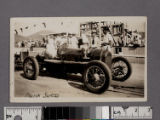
[(78, 59)]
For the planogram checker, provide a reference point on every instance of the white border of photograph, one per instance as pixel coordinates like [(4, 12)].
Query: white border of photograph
[(69, 99)]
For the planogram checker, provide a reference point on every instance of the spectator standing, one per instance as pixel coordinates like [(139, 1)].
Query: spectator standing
[(58, 40), (120, 41), (64, 40), (19, 44), (85, 40), (125, 39), (22, 44), (95, 41), (107, 40), (139, 40), (51, 51), (73, 41), (85, 44)]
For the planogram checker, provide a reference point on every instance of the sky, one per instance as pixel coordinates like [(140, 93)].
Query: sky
[(31, 25)]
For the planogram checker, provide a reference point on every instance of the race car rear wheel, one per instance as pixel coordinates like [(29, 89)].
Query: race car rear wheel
[(121, 69), (31, 68), (97, 76)]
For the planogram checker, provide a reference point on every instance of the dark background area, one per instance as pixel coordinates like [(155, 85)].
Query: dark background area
[(58, 8)]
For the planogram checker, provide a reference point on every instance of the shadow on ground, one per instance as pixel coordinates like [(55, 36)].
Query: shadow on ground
[(74, 80)]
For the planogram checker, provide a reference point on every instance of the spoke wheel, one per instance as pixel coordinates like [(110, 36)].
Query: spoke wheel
[(97, 77), (31, 68), (121, 69)]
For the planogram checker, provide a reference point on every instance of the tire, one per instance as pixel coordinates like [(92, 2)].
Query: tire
[(118, 73), (90, 75), (30, 64)]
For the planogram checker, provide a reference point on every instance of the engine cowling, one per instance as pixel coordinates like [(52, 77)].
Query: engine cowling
[(100, 54), (70, 54)]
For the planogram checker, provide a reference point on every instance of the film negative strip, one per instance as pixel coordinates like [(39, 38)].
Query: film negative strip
[(98, 112)]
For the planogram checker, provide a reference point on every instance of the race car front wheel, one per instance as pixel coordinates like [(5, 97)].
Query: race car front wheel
[(97, 77), (31, 68)]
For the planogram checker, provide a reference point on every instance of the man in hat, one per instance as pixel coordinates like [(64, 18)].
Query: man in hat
[(107, 39)]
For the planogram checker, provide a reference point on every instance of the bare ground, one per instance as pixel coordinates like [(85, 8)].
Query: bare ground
[(71, 86)]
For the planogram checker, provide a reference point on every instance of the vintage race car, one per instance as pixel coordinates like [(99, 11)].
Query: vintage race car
[(97, 66)]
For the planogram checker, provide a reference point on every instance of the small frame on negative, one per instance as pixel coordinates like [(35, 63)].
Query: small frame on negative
[(78, 59)]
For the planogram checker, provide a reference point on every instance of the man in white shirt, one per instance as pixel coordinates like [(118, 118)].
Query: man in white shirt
[(95, 41), (73, 41), (61, 39), (139, 39), (85, 39), (58, 40), (85, 42), (51, 50), (108, 40)]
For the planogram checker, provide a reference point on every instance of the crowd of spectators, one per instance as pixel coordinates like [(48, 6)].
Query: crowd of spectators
[(31, 43), (132, 39)]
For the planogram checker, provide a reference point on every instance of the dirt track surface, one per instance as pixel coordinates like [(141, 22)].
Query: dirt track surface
[(71, 86)]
